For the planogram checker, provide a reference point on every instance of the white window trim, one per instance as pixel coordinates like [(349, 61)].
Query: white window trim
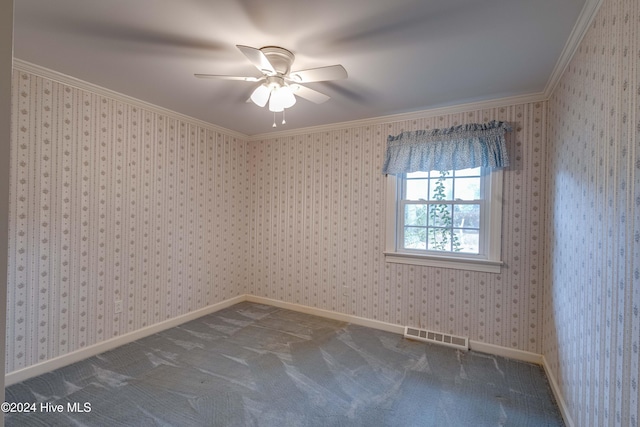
[(489, 264)]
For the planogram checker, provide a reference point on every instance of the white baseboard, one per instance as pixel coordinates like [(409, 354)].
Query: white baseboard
[(564, 409), (348, 318), (511, 353), (92, 350), (496, 350)]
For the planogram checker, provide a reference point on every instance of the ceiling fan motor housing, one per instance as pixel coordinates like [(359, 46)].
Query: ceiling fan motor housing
[(280, 58), (274, 82)]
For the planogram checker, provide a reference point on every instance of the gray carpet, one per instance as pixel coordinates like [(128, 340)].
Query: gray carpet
[(257, 365)]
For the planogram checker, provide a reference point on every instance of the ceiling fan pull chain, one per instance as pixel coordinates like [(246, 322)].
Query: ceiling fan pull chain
[(274, 120), (284, 122)]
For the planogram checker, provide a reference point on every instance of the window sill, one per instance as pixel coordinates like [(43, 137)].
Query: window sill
[(458, 263)]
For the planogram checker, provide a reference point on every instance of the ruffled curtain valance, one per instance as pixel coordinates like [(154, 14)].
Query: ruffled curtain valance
[(458, 147)]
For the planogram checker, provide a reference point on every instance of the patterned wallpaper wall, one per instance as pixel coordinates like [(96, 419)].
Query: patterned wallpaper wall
[(318, 215), (592, 274), (111, 201)]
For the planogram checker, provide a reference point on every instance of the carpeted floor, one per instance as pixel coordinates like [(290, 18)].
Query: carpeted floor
[(257, 365)]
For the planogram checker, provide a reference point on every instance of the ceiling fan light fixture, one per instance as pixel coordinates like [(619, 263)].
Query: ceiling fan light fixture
[(278, 85), (260, 96), (274, 105), (289, 99), (281, 98)]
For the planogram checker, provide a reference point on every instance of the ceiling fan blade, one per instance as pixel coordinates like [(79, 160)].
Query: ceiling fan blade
[(332, 72), (309, 94), (258, 59), (222, 77)]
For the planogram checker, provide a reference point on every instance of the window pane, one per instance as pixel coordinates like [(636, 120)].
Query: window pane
[(468, 172), (441, 189), (415, 215), (415, 238), (467, 216), (440, 216), (467, 189), (418, 175), (440, 239), (439, 213), (417, 189), (469, 240)]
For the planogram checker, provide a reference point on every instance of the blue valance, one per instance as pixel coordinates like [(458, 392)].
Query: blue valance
[(458, 147)]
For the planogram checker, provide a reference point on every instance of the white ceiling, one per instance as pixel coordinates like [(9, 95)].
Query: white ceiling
[(401, 55)]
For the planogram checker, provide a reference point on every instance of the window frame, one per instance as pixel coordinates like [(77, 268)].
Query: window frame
[(489, 260)]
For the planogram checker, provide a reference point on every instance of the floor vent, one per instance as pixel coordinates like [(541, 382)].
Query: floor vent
[(461, 343)]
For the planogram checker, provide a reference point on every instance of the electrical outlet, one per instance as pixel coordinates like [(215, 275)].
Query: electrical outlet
[(118, 306), (345, 291)]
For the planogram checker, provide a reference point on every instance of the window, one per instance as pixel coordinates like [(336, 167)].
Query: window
[(444, 196), (446, 218)]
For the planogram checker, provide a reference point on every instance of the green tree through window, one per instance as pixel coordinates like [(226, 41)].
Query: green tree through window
[(440, 211), (446, 218), (441, 219)]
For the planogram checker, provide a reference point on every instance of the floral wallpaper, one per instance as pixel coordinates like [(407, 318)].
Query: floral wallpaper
[(114, 201), (110, 201), (592, 247), (317, 232)]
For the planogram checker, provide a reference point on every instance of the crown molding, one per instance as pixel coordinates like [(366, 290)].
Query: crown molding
[(588, 13), (38, 70), (585, 19), (20, 65), (433, 112)]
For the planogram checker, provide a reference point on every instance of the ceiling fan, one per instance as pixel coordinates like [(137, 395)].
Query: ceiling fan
[(278, 85)]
